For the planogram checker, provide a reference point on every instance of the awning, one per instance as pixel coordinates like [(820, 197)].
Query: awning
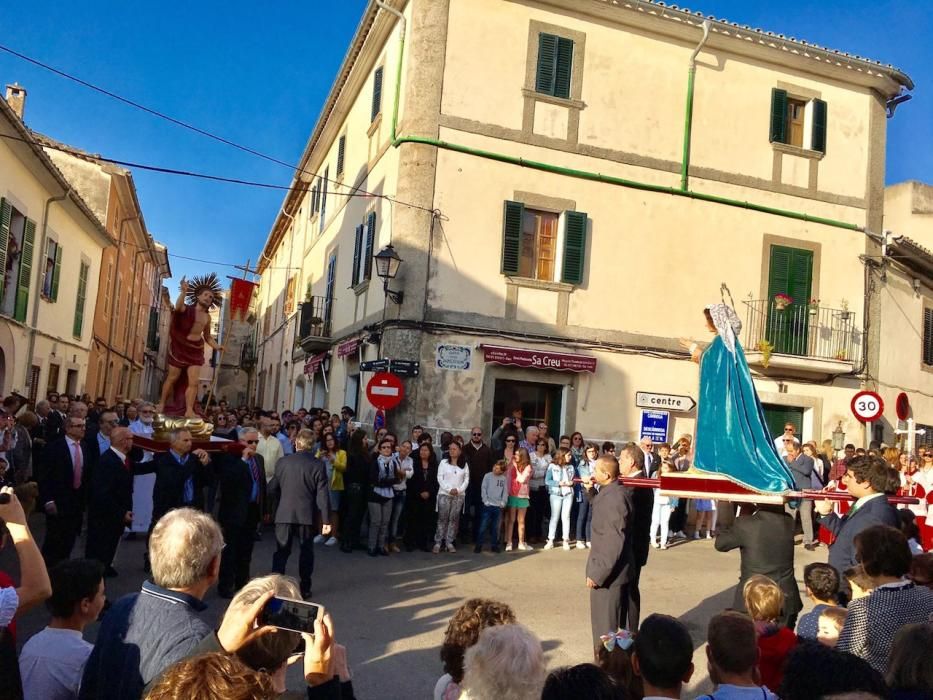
[(313, 363), (348, 347), (539, 359)]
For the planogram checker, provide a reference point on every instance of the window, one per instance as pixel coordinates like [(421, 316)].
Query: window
[(17, 240), (51, 270), (341, 153), (555, 65), (928, 337), (531, 241), (363, 250), (377, 94), (52, 383), (78, 326), (107, 289), (329, 290), (325, 183), (790, 117)]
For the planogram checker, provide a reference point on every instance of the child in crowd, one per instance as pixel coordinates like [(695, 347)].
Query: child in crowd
[(732, 657), (495, 494), (911, 530), (614, 656), (822, 583), (705, 508), (661, 511), (764, 601), (861, 583), (830, 625), (663, 656)]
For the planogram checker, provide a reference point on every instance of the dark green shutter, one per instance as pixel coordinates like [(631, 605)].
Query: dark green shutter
[(547, 63), (574, 247), (357, 249), (341, 152), (928, 336), (57, 272), (512, 237), (818, 135), (370, 242), (153, 329), (6, 214), (791, 273), (79, 304), (564, 68), (377, 94), (25, 271), (778, 115)]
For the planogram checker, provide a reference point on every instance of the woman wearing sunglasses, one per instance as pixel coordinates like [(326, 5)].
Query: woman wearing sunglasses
[(453, 478)]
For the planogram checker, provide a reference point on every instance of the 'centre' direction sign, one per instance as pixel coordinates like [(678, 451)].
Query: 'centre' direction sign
[(670, 402)]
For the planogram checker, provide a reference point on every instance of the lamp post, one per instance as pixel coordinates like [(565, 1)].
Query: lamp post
[(387, 265)]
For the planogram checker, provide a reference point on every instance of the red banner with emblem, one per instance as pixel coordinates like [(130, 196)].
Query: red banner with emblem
[(241, 294)]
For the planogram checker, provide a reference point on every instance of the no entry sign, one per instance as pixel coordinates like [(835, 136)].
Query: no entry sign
[(867, 406), (385, 391)]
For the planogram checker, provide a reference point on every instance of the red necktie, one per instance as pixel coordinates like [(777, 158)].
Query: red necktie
[(77, 464)]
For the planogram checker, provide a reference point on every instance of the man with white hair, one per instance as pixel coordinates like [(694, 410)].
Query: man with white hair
[(144, 633), (143, 484)]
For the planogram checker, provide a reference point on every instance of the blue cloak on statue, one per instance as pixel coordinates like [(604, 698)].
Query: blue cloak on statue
[(732, 435)]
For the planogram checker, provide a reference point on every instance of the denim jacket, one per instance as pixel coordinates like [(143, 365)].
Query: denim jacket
[(584, 470), (554, 475)]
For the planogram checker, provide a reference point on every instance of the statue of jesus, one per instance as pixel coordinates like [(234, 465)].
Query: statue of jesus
[(190, 330)]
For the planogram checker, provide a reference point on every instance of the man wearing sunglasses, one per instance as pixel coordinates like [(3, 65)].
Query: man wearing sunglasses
[(479, 459)]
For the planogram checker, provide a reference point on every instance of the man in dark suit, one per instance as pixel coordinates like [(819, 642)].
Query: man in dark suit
[(300, 483), (632, 466), (63, 487), (55, 420), (764, 534), (181, 476), (866, 479), (242, 489), (610, 561)]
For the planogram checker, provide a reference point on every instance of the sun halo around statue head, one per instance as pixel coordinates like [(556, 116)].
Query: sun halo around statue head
[(204, 283)]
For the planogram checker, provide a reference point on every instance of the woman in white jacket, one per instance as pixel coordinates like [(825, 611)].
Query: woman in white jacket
[(452, 479)]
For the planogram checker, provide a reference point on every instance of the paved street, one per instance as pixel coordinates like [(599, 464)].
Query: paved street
[(391, 613)]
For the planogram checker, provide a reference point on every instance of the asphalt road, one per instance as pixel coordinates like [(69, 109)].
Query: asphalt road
[(391, 612)]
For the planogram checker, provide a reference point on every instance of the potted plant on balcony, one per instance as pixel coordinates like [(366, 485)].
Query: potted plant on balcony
[(844, 312), (813, 307), (766, 348), (842, 356), (782, 301)]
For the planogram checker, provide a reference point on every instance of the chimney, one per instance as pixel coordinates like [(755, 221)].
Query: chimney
[(16, 98)]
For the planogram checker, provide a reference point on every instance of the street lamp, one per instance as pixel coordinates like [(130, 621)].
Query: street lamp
[(387, 265), (839, 437)]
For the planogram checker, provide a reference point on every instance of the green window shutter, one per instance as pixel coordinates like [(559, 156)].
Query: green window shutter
[(370, 242), (377, 94), (574, 247), (564, 68), (547, 63), (6, 215), (818, 135), (779, 272), (79, 304), (512, 237), (341, 152), (57, 272), (791, 273), (778, 115), (25, 271), (357, 249)]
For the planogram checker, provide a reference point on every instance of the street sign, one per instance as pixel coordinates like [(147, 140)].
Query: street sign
[(385, 391), (867, 406), (405, 368), (673, 402), (654, 424), (375, 366)]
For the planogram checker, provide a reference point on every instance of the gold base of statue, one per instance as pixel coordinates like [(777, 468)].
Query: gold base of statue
[(163, 425)]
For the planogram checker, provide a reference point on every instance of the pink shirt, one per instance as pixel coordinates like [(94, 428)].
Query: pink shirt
[(519, 481)]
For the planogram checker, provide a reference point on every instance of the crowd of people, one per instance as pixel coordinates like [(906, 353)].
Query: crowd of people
[(317, 478)]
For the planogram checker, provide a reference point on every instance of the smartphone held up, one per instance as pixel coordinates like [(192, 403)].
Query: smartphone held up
[(290, 614)]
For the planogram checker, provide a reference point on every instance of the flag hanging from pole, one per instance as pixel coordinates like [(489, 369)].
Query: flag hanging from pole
[(241, 293)]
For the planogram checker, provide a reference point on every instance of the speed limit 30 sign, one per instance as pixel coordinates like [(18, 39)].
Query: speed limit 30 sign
[(867, 406)]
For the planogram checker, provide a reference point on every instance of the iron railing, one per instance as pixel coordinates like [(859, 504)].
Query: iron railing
[(805, 330), (314, 318)]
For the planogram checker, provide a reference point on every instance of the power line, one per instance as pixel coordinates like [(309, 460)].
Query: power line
[(198, 130)]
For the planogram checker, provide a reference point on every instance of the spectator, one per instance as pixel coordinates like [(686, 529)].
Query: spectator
[(859, 582), (216, 676), (479, 459), (634, 464), (802, 467), (585, 470), (663, 656), (422, 496), (383, 475), (506, 663), (404, 473), (463, 631), (355, 485), (829, 625), (764, 601), (582, 680), (494, 494), (614, 656), (822, 585), (733, 655), (519, 478), (144, 633), (335, 462), (52, 661), (921, 570), (873, 622), (661, 511), (817, 671), (910, 673), (559, 481), (538, 493)]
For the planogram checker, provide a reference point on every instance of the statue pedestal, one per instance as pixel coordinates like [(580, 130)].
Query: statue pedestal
[(200, 433)]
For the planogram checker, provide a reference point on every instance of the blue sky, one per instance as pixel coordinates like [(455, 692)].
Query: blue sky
[(259, 77)]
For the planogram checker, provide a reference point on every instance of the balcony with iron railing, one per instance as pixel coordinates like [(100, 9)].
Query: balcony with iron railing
[(314, 324), (801, 338)]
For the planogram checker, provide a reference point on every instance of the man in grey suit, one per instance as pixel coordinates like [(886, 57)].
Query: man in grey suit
[(801, 467), (300, 483)]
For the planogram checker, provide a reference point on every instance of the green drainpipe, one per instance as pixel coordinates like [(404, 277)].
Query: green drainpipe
[(688, 117), (599, 177)]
